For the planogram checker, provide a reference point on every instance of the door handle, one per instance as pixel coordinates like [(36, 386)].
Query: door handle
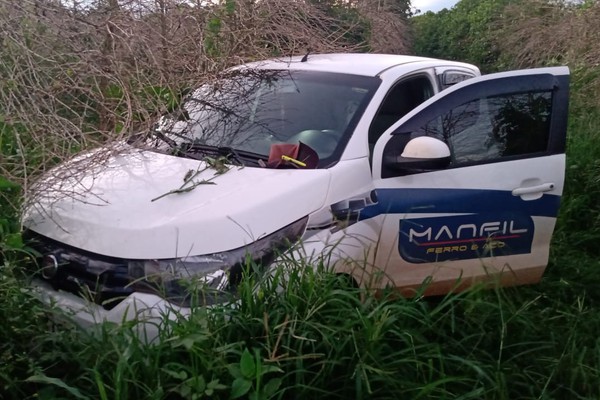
[(537, 189)]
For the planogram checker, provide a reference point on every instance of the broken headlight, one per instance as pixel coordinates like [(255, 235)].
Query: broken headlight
[(210, 278)]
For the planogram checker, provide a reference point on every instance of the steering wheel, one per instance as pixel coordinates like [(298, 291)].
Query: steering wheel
[(324, 142)]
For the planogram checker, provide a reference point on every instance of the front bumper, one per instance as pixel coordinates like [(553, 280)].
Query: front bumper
[(147, 311)]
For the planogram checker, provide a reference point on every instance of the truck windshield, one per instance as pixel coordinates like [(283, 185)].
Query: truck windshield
[(250, 110)]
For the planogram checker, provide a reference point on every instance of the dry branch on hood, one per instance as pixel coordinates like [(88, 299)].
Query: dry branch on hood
[(80, 74)]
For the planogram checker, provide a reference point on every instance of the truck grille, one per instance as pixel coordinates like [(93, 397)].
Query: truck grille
[(103, 280)]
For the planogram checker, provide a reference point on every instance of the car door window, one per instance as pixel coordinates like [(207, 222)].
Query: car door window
[(493, 128)]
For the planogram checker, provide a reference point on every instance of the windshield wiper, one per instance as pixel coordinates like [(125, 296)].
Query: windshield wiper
[(226, 151), (187, 148)]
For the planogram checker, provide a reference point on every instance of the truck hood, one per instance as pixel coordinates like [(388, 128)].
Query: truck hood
[(120, 204)]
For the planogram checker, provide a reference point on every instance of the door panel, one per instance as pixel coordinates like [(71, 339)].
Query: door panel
[(491, 213)]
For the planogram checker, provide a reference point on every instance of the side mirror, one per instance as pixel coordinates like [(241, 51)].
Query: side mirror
[(421, 154)]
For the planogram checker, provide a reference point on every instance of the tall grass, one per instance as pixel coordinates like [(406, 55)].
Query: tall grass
[(315, 338)]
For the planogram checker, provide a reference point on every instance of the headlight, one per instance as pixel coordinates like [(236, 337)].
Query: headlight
[(213, 277)]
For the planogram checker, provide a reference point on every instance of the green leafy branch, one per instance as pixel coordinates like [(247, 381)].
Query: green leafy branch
[(218, 164)]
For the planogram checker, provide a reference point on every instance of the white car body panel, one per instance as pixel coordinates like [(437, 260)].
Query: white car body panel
[(356, 64), (117, 211)]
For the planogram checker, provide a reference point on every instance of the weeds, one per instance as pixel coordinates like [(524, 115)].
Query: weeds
[(317, 339)]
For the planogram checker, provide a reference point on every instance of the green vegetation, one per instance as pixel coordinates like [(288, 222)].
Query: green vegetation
[(315, 337), (464, 33)]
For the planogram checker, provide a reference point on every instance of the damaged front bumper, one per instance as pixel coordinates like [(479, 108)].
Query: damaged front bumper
[(147, 311)]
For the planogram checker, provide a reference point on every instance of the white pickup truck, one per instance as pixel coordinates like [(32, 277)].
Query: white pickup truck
[(392, 169)]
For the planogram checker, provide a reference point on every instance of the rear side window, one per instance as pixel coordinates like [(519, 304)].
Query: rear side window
[(494, 127)]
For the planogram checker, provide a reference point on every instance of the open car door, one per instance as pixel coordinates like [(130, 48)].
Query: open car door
[(486, 210)]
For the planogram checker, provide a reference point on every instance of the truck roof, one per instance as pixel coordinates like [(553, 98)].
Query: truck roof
[(367, 64)]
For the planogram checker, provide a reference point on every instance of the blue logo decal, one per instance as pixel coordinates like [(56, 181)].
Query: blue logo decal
[(424, 240)]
